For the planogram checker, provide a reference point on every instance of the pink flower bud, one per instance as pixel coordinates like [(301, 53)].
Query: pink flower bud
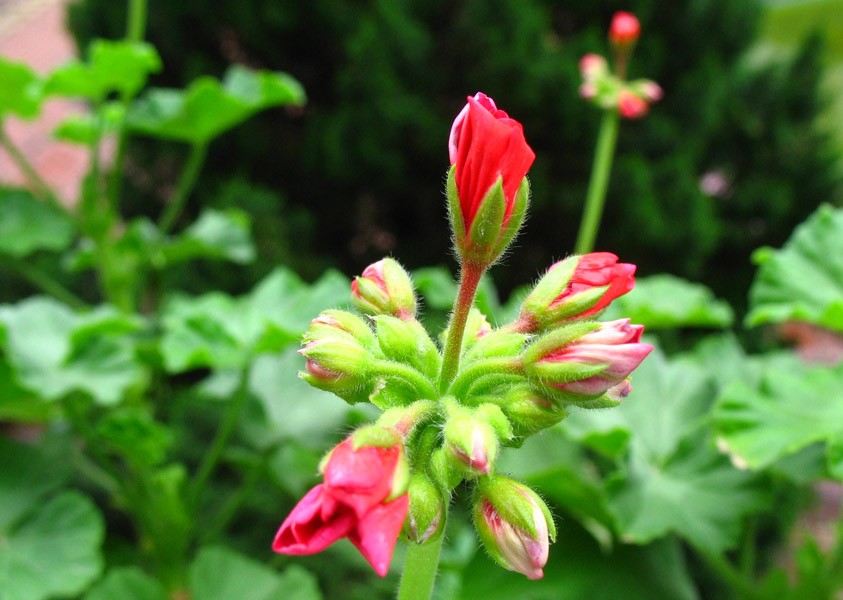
[(651, 91), (357, 500), (514, 525), (471, 444), (631, 106), (490, 159), (588, 90), (624, 30), (592, 363), (592, 66), (384, 288)]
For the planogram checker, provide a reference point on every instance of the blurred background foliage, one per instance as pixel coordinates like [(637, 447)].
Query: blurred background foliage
[(731, 160)]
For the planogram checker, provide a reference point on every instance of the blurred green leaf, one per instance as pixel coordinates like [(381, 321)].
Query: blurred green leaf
[(222, 574), (54, 351), (216, 234), (16, 402), (127, 583), (28, 475), (27, 224), (112, 66), (804, 280), (579, 570), (437, 286), (218, 331), (54, 552), (20, 90), (135, 435), (665, 301), (786, 412), (208, 108), (672, 479), (86, 128)]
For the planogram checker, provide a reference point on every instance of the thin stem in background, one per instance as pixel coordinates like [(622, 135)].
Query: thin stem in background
[(599, 183), (136, 22), (469, 280), (420, 569), (741, 586), (188, 179), (42, 188), (43, 281), (226, 428)]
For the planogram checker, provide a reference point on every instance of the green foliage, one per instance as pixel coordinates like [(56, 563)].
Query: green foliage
[(28, 225), (207, 107), (804, 280), (20, 90), (127, 583)]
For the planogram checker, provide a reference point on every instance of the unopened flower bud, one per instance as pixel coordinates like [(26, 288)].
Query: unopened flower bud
[(514, 525), (593, 66), (471, 444), (649, 90), (337, 364), (575, 288), (408, 342), (631, 106), (580, 363), (476, 328), (588, 91), (624, 30), (528, 411), (331, 323), (384, 288), (426, 517)]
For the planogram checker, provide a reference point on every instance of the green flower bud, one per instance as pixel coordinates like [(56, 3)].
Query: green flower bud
[(476, 328), (426, 516), (384, 288), (408, 342), (331, 323), (470, 443), (528, 411), (338, 364)]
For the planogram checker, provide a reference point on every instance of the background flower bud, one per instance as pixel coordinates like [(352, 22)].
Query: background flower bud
[(487, 186), (593, 66), (384, 288), (575, 288), (514, 525), (631, 106), (426, 517), (624, 30)]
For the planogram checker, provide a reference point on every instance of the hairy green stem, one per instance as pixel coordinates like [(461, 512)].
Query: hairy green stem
[(42, 188), (43, 281), (597, 186), (226, 428), (481, 368), (420, 569), (188, 178), (469, 280)]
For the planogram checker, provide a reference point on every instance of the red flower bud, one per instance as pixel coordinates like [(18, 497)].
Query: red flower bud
[(651, 91), (363, 497), (384, 288), (624, 30), (487, 150), (592, 66), (631, 106)]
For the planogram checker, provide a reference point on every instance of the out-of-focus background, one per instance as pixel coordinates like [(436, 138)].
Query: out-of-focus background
[(747, 142)]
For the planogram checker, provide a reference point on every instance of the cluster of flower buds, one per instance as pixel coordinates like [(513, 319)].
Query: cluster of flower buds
[(440, 427), (608, 88)]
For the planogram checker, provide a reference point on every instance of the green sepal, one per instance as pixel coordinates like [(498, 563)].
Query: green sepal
[(368, 289), (549, 287), (459, 431), (334, 322), (557, 339), (426, 515), (391, 392), (408, 342), (375, 436), (494, 416), (496, 344), (474, 323), (455, 210), (527, 411), (483, 236), (353, 392), (516, 217), (514, 502), (443, 474), (406, 419), (563, 398), (401, 290)]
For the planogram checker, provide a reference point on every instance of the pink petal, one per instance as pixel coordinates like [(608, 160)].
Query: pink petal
[(377, 532)]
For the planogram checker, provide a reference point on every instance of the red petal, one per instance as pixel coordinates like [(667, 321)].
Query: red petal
[(377, 532)]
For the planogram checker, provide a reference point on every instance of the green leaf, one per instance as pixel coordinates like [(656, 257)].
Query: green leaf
[(54, 552), (27, 225), (218, 331), (789, 410), (222, 574), (804, 280), (127, 583), (18, 403), (113, 66), (55, 351), (222, 235), (28, 475), (672, 479), (207, 108), (86, 128), (135, 435), (20, 90), (665, 301)]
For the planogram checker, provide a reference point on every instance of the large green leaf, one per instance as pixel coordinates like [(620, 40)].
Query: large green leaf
[(222, 574), (665, 301), (672, 480), (28, 475), (208, 108), (27, 224), (218, 331), (20, 90), (53, 552), (54, 351), (787, 412), (127, 583), (222, 235), (804, 280), (112, 66)]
